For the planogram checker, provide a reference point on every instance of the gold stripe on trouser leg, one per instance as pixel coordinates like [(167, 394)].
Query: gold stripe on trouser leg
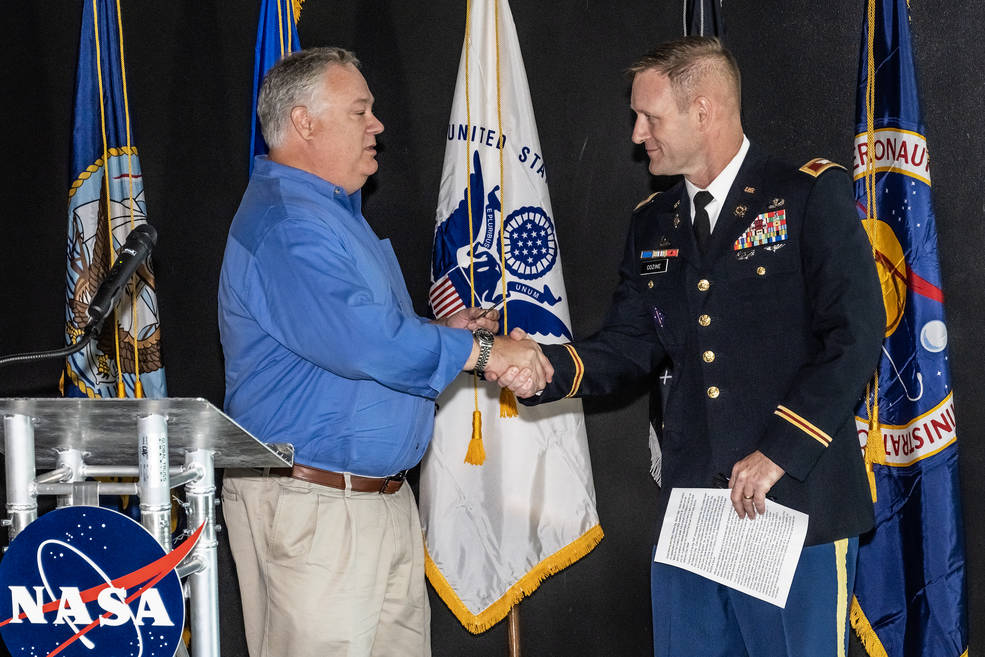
[(841, 565)]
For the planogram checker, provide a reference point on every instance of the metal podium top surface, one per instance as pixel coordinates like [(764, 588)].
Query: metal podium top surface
[(106, 431)]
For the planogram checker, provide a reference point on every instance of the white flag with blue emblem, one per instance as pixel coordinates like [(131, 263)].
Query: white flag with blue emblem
[(495, 531)]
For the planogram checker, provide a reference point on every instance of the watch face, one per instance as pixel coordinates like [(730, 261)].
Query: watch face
[(484, 334)]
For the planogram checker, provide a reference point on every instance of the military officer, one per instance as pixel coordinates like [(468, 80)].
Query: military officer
[(754, 280)]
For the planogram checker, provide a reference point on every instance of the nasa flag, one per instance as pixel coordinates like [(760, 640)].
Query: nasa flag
[(494, 531), (105, 203), (910, 584)]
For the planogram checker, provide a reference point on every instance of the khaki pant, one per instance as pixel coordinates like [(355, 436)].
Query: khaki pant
[(326, 572)]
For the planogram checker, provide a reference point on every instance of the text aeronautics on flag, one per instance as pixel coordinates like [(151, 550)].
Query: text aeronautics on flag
[(910, 584)]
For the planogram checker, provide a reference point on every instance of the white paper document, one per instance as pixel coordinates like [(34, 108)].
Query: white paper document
[(702, 533)]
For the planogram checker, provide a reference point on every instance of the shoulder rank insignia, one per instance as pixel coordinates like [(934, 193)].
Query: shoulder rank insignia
[(819, 165), (767, 228), (646, 200)]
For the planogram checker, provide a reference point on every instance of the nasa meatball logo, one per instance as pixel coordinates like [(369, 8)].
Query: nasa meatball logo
[(85, 580)]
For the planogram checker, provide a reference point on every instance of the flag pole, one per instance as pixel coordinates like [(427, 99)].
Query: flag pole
[(513, 631)]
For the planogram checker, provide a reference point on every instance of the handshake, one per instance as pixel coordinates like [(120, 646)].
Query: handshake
[(515, 362)]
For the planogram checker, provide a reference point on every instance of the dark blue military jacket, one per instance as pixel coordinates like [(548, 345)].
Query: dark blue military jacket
[(771, 336)]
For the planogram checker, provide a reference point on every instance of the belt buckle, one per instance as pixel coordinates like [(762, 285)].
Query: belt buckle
[(400, 476)]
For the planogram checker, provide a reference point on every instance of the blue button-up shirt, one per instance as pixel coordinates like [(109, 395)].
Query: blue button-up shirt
[(322, 345)]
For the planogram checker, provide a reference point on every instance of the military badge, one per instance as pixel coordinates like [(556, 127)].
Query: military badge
[(750, 190), (776, 204), (740, 210), (662, 253), (664, 241), (677, 221), (656, 262), (658, 317), (766, 228), (819, 165), (646, 200)]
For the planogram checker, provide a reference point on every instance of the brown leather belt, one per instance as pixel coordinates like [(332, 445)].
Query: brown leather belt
[(385, 485)]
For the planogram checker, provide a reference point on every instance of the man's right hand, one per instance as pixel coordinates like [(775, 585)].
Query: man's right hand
[(517, 363), (522, 368)]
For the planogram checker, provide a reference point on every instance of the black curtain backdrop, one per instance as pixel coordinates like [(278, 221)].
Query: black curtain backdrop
[(189, 66)]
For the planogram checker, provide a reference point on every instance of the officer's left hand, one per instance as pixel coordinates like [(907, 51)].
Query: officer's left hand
[(752, 478), (472, 318)]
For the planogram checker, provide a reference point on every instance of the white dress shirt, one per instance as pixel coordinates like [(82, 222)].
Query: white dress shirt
[(719, 186)]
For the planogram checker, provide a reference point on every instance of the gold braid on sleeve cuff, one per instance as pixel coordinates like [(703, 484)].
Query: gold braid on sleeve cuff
[(579, 371), (803, 425)]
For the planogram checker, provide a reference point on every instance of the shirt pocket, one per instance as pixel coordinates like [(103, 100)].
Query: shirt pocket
[(767, 288), (396, 276), (755, 272)]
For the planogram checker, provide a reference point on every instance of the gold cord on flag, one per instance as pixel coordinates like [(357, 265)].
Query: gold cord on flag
[(874, 451), (120, 391), (476, 452), (507, 400), (138, 388), (293, 9), (280, 27)]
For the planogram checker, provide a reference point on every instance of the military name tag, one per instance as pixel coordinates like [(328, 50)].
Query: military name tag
[(656, 266)]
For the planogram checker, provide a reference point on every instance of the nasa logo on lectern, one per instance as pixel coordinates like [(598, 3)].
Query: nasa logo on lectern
[(85, 580)]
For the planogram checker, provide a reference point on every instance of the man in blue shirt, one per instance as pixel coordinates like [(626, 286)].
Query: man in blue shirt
[(323, 350)]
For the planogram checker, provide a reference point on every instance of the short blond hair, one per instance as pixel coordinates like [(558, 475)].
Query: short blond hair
[(687, 60)]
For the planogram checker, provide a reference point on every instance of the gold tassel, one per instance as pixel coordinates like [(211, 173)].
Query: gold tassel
[(138, 390), (121, 390), (507, 403), (875, 451), (476, 454)]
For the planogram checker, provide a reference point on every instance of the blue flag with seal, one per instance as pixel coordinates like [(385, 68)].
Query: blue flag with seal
[(910, 587), (105, 202), (277, 35), (499, 524)]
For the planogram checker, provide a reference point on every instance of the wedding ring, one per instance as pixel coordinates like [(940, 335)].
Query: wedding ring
[(747, 498)]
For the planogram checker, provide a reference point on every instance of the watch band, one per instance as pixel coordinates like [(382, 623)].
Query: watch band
[(485, 340)]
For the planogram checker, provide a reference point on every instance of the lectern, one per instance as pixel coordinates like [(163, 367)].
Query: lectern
[(173, 442)]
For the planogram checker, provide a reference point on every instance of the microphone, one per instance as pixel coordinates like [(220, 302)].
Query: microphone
[(135, 251)]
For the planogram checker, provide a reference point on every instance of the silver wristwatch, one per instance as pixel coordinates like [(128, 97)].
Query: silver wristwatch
[(485, 338)]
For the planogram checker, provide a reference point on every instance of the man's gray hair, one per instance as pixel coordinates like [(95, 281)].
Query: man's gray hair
[(295, 80), (685, 61)]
